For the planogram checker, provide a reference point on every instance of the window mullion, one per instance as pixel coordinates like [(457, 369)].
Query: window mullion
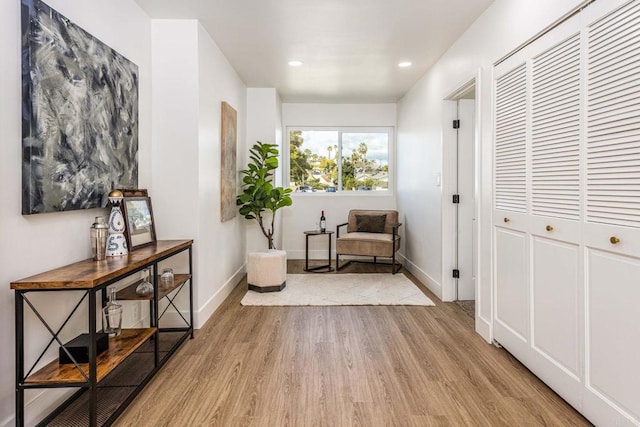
[(339, 160)]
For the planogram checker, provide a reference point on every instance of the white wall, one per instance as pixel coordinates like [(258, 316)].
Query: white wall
[(305, 212), (221, 244), (264, 124), (191, 79), (31, 244), (502, 27)]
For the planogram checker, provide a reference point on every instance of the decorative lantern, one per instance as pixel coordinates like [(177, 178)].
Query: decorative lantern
[(116, 244)]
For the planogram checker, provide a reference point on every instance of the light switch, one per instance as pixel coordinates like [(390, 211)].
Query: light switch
[(438, 180)]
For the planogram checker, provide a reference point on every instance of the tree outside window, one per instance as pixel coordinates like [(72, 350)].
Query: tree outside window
[(338, 160)]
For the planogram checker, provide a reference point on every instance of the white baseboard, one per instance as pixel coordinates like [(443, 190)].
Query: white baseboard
[(428, 281), (201, 315), (318, 254), (483, 328)]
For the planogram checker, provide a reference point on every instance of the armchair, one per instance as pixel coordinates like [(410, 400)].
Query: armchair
[(369, 233)]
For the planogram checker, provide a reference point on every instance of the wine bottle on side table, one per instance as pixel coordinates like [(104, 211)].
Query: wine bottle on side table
[(323, 223)]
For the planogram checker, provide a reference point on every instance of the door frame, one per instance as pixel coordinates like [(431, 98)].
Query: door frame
[(449, 186)]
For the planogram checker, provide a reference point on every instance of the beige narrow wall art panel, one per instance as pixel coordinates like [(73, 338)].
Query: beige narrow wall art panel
[(228, 173)]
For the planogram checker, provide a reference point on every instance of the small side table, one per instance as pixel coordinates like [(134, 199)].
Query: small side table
[(326, 267)]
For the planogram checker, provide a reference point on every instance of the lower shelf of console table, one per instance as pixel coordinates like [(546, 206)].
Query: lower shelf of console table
[(119, 387)]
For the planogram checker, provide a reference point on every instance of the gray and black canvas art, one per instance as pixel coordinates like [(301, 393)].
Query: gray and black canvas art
[(79, 115)]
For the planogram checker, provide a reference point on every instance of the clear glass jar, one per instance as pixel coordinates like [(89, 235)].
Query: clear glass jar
[(166, 278), (112, 316)]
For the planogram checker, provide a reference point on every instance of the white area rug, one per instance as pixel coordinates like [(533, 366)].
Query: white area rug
[(342, 289)]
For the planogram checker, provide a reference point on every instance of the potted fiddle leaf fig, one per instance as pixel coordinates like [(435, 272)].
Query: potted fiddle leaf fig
[(259, 195)]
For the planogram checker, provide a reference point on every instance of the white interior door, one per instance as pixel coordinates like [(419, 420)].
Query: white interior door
[(466, 210)]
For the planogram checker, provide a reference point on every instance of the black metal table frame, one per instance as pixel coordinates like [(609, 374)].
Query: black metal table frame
[(326, 267), (91, 380)]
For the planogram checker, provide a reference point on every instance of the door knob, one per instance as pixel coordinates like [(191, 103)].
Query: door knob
[(549, 228), (506, 219), (614, 240)]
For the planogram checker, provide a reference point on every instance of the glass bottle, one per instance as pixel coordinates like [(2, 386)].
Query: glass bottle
[(112, 316), (323, 223)]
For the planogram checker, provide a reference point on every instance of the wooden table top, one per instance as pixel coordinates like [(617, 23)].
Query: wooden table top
[(88, 273)]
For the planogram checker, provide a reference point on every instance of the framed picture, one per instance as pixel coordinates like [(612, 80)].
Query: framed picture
[(79, 115), (228, 169), (134, 192), (138, 216)]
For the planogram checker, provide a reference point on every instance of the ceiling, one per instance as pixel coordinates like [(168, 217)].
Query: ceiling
[(350, 48)]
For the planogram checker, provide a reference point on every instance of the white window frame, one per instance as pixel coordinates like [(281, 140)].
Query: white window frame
[(389, 130)]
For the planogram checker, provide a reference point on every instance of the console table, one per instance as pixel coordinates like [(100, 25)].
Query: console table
[(109, 381)]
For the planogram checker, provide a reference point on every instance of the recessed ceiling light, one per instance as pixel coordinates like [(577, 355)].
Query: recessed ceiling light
[(404, 64), (295, 63)]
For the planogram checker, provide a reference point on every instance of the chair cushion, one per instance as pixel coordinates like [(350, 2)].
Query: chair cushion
[(371, 223), (367, 244), (391, 218)]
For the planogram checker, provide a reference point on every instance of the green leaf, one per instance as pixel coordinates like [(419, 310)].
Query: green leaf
[(272, 162)]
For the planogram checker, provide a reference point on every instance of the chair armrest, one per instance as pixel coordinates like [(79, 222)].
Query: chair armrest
[(395, 228), (338, 229)]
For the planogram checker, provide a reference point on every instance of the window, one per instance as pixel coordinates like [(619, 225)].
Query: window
[(339, 159)]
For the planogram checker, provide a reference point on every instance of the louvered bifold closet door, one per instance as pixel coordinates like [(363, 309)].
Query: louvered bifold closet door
[(554, 225), (511, 324), (612, 227)]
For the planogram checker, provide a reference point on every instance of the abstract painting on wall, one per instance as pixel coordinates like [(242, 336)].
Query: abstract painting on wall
[(79, 115), (229, 172)]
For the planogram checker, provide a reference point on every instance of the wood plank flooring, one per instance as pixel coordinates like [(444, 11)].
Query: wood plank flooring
[(344, 366)]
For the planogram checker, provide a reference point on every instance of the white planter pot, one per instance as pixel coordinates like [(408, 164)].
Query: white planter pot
[(267, 271)]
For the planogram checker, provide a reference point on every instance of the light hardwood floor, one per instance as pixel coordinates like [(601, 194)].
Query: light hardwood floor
[(344, 366)]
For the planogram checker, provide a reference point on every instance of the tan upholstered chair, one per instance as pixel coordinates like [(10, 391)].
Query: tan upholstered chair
[(370, 233)]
